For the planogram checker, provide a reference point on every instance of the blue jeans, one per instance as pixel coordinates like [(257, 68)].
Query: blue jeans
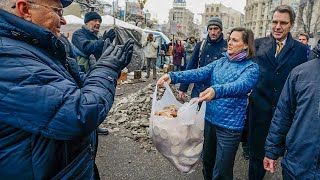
[(177, 67), (219, 151)]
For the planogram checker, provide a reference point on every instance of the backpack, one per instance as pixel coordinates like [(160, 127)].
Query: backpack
[(201, 49)]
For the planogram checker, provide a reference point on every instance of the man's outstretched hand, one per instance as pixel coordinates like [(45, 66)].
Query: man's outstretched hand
[(116, 57), (269, 164), (111, 34)]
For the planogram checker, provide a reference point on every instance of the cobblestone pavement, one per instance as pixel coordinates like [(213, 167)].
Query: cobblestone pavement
[(127, 152)]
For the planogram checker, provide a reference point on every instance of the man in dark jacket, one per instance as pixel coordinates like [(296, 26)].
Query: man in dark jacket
[(276, 56), (49, 112), (211, 50), (294, 131), (87, 41), (88, 45), (315, 53)]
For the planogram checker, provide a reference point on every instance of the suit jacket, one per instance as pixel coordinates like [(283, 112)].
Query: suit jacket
[(272, 76)]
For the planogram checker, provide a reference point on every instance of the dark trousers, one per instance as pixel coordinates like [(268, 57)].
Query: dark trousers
[(96, 171), (151, 63), (219, 152), (177, 67), (256, 170)]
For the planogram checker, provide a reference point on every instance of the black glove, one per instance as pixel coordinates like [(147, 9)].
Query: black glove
[(111, 34), (116, 57)]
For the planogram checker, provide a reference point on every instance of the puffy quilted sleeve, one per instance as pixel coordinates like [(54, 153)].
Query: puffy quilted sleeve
[(192, 64), (38, 97), (193, 76), (242, 86)]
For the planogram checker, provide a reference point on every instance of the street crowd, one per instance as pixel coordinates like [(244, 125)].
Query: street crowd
[(263, 92)]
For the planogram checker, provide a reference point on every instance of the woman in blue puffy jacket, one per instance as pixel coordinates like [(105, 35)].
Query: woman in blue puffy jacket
[(231, 77)]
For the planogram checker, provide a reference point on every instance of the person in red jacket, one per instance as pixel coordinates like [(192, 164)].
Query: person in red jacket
[(177, 54)]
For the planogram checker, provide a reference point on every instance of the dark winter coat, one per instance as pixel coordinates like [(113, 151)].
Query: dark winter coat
[(294, 131), (87, 42), (273, 74), (47, 117), (212, 50)]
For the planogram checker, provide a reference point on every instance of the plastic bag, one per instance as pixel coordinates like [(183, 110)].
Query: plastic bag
[(180, 139)]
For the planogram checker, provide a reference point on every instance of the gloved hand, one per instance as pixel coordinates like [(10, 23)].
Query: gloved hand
[(116, 57), (111, 34)]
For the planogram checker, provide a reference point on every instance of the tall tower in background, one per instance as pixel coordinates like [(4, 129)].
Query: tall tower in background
[(183, 17)]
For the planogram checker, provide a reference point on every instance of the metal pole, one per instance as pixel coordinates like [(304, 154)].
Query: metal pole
[(125, 12), (114, 14)]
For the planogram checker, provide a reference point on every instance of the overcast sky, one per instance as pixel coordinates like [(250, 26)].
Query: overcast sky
[(160, 8)]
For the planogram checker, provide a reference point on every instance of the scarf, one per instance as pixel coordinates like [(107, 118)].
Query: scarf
[(237, 57)]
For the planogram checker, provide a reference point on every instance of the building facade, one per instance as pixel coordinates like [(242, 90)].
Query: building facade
[(308, 18), (258, 16), (230, 18), (183, 18)]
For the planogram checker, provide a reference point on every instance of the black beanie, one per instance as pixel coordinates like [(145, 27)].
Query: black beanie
[(214, 21), (90, 16)]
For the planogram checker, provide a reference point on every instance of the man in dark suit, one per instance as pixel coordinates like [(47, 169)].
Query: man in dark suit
[(276, 56)]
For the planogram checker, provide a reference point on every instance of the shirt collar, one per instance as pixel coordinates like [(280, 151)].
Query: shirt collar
[(283, 42)]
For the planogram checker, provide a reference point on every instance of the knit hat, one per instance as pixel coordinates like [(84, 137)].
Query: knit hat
[(66, 3), (214, 21), (90, 16)]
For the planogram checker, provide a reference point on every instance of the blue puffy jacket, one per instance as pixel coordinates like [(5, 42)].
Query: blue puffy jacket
[(294, 131), (231, 81), (48, 114), (212, 50)]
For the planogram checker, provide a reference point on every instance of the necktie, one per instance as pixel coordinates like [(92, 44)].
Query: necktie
[(279, 44)]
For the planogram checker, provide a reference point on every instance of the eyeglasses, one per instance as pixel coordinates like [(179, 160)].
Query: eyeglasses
[(282, 23), (58, 11)]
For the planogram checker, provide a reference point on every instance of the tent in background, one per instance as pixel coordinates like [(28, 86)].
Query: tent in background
[(71, 19), (109, 20), (123, 29)]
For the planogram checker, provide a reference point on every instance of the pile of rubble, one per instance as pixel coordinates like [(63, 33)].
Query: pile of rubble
[(129, 116)]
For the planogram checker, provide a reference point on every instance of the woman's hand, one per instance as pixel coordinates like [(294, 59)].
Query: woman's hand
[(182, 95), (165, 78), (207, 95)]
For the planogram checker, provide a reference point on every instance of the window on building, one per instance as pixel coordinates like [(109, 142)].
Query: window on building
[(212, 9), (217, 9)]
